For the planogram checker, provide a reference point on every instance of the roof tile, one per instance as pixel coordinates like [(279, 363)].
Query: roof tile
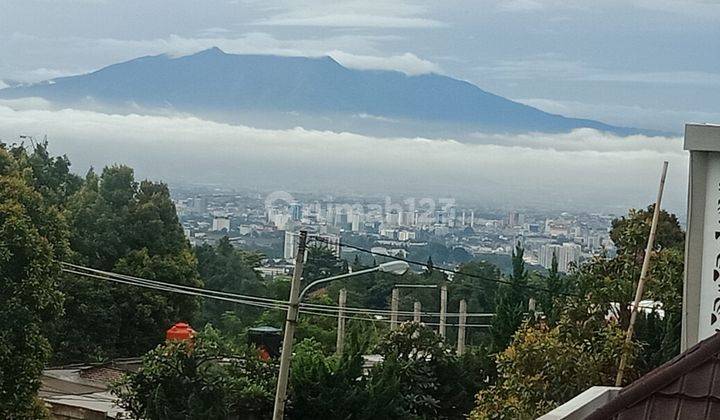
[(692, 409), (663, 408), (698, 382), (636, 412)]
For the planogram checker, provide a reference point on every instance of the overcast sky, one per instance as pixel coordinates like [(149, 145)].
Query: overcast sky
[(644, 63), (648, 63)]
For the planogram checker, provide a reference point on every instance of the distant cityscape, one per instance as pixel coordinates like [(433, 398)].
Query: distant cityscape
[(450, 233)]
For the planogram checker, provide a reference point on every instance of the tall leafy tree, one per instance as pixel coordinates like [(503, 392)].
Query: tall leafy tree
[(222, 267), (552, 286), (121, 225), (321, 263), (33, 237), (510, 303)]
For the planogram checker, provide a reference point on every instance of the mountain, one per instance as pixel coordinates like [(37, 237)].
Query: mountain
[(313, 92)]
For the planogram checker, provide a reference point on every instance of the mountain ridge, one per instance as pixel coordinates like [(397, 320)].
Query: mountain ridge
[(214, 82)]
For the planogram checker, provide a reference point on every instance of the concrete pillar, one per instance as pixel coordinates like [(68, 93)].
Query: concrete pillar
[(341, 322), (394, 306), (416, 312), (462, 319), (443, 309)]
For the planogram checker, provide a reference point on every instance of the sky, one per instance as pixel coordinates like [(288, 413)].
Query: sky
[(645, 63)]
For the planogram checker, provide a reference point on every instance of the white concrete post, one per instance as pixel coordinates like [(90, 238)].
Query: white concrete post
[(394, 306), (462, 319), (443, 309), (342, 299), (416, 312)]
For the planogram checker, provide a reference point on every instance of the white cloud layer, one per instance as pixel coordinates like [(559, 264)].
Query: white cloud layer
[(670, 120), (407, 63), (584, 169)]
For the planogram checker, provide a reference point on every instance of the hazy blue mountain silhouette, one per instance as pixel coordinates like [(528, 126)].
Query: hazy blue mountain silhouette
[(213, 81)]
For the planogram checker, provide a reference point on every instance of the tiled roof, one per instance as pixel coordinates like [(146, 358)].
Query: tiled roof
[(686, 387)]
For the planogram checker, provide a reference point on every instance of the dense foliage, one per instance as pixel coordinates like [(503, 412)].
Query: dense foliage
[(206, 378), (576, 342), (33, 237), (546, 367)]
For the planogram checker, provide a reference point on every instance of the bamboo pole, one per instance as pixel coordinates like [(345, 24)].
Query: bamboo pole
[(641, 281)]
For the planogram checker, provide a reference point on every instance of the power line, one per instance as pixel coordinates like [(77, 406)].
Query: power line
[(235, 296), (174, 289), (213, 294)]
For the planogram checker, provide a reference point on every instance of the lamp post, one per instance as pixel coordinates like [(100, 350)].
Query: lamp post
[(393, 267)]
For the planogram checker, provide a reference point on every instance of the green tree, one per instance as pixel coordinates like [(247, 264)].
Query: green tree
[(552, 285), (510, 303), (544, 368), (223, 267), (33, 237), (118, 224), (477, 283), (49, 175), (207, 378), (630, 233), (321, 263), (421, 377), (607, 287), (329, 387)]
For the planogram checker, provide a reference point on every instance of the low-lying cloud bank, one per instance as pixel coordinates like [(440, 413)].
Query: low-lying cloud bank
[(583, 169)]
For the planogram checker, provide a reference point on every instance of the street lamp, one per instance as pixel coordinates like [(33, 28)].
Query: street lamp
[(393, 267), (397, 268)]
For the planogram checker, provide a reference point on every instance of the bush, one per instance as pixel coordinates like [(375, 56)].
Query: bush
[(544, 368), (204, 379)]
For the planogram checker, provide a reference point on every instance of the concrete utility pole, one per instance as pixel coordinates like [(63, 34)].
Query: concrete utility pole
[(443, 309), (462, 319), (643, 276), (416, 311), (394, 306), (290, 324), (341, 322)]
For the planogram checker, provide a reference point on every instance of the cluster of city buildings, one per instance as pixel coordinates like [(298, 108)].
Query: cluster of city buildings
[(250, 222)]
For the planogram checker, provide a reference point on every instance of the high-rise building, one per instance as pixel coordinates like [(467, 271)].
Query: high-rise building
[(199, 204), (290, 246), (295, 211), (566, 254), (356, 222), (392, 218), (220, 223), (405, 218), (515, 219)]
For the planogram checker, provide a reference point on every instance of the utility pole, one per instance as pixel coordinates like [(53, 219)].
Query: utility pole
[(443, 309), (394, 306), (290, 324), (342, 299), (416, 311), (462, 319), (643, 277)]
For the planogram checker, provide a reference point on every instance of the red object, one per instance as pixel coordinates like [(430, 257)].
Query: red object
[(180, 331), (263, 354)]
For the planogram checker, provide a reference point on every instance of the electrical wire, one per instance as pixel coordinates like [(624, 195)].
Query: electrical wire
[(331, 308), (168, 287)]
